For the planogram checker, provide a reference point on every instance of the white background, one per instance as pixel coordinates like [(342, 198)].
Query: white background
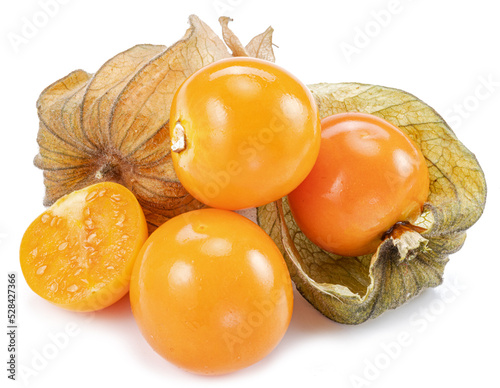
[(441, 51)]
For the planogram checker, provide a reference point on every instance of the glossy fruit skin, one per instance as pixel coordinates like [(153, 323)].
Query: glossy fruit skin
[(368, 176), (210, 292), (80, 252), (252, 133)]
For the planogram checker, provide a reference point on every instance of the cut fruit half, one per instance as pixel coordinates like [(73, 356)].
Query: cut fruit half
[(80, 252)]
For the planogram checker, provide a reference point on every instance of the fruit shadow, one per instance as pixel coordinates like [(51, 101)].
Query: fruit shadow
[(118, 311), (306, 319), (307, 322)]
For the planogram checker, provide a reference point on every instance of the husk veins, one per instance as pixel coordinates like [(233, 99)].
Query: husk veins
[(113, 125), (352, 290)]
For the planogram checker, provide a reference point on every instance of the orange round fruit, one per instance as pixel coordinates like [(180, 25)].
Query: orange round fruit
[(369, 175), (79, 253), (210, 292), (244, 132)]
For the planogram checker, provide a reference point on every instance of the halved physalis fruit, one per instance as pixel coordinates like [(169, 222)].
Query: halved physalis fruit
[(80, 252)]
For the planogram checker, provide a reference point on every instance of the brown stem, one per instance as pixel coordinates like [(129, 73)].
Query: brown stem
[(399, 228)]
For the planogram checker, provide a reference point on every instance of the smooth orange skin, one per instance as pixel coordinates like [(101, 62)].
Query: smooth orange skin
[(368, 176), (211, 292), (252, 132), (80, 252)]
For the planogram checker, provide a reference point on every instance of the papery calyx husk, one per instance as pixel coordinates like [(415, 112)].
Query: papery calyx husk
[(113, 125), (352, 290)]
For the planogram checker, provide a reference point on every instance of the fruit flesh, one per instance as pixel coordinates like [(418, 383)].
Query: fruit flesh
[(211, 292), (368, 176), (252, 133), (79, 253)]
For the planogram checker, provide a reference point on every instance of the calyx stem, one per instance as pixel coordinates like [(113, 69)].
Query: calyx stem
[(178, 142)]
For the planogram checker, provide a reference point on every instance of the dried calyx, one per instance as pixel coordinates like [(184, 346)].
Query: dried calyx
[(410, 258), (113, 125)]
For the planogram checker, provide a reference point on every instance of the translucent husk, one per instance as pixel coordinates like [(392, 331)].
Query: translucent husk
[(113, 125), (352, 290)]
